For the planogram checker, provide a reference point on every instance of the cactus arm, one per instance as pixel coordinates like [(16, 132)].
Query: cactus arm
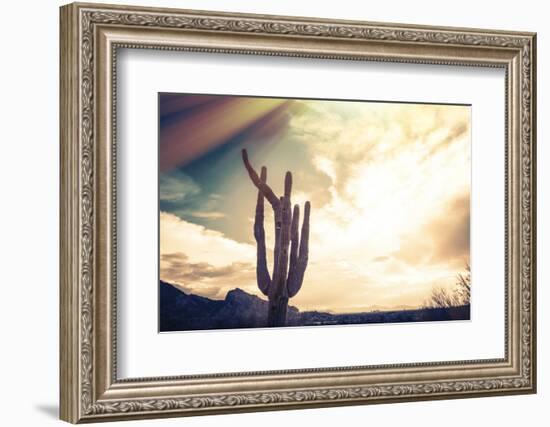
[(277, 250), (296, 279), (288, 185), (277, 247), (282, 240), (286, 219), (262, 273), (262, 186), (294, 236), (294, 242), (304, 242)]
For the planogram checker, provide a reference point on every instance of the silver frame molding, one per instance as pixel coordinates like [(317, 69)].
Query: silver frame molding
[(90, 37)]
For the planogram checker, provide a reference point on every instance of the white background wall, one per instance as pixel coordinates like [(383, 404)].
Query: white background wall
[(29, 170)]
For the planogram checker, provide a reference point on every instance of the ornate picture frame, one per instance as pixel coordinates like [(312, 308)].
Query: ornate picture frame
[(91, 35)]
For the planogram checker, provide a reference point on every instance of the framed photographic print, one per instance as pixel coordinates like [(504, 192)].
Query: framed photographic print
[(266, 212)]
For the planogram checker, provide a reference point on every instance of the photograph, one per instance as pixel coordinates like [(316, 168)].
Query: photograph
[(279, 212)]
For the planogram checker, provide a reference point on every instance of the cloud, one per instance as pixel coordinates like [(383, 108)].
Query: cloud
[(398, 212), (345, 136), (203, 261), (444, 239), (176, 187), (180, 268), (207, 214), (200, 243), (454, 133), (384, 185), (203, 277), (451, 232)]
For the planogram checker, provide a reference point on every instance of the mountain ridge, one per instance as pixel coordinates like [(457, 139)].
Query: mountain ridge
[(182, 311)]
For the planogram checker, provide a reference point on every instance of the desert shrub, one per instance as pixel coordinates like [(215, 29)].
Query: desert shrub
[(441, 297)]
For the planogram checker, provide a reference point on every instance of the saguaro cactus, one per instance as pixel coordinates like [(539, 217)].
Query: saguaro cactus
[(288, 268)]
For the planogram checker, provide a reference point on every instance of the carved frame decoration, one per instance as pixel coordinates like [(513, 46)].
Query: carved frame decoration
[(90, 36)]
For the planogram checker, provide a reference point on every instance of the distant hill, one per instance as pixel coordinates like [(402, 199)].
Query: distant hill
[(180, 311)]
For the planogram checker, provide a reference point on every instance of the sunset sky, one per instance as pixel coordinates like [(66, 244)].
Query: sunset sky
[(389, 186)]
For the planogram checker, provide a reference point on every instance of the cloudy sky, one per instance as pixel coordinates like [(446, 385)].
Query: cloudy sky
[(389, 186)]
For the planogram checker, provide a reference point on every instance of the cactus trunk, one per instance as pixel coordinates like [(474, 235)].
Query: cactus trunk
[(277, 307), (291, 251)]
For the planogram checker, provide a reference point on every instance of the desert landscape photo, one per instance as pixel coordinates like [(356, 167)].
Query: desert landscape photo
[(281, 212)]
